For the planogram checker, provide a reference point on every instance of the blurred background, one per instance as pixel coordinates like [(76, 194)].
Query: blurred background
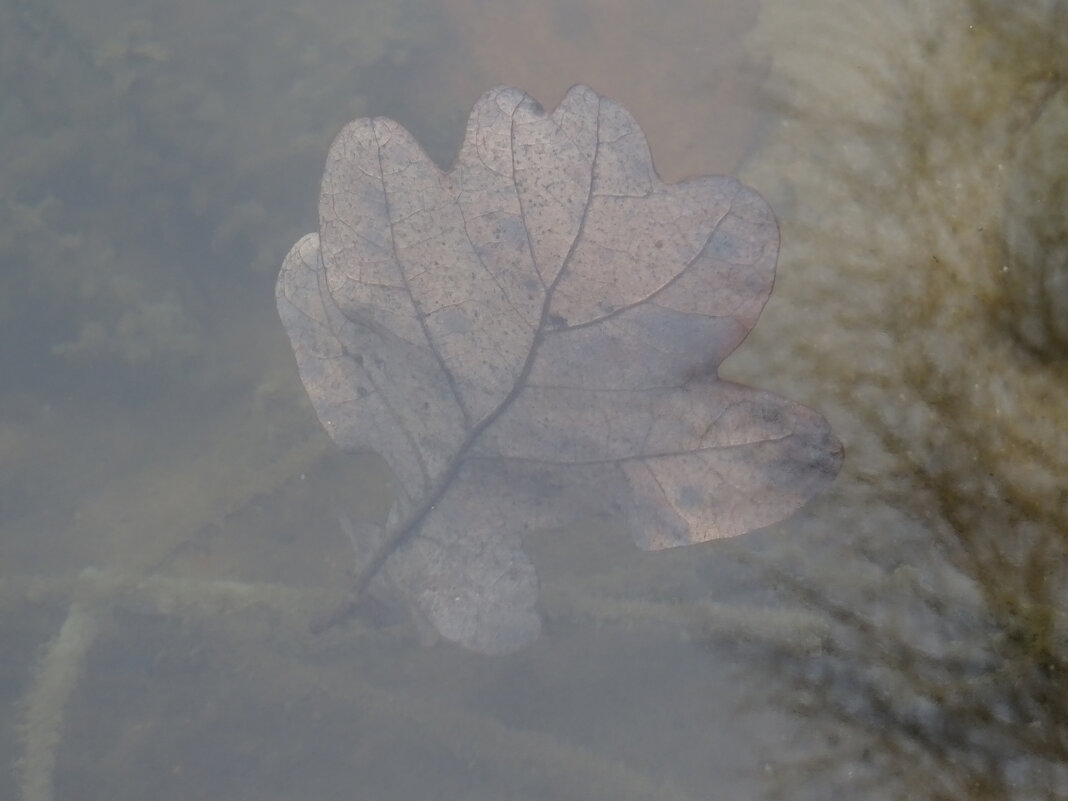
[(168, 501)]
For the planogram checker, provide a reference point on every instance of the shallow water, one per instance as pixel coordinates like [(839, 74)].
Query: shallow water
[(169, 505)]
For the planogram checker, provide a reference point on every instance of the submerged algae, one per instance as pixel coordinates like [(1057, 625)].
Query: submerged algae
[(919, 172), (149, 149), (1035, 305)]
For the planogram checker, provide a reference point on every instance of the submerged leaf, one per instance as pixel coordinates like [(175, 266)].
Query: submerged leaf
[(533, 335)]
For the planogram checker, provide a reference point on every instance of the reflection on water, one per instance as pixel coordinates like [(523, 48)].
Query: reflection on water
[(933, 176), (168, 505)]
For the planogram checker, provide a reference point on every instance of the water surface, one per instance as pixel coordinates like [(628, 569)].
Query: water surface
[(169, 506)]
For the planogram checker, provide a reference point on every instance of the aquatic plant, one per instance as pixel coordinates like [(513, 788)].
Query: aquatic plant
[(922, 153)]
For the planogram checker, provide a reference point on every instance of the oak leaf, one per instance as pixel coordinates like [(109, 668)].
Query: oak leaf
[(534, 335)]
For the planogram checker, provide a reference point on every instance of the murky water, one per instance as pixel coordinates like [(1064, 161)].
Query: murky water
[(169, 505)]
